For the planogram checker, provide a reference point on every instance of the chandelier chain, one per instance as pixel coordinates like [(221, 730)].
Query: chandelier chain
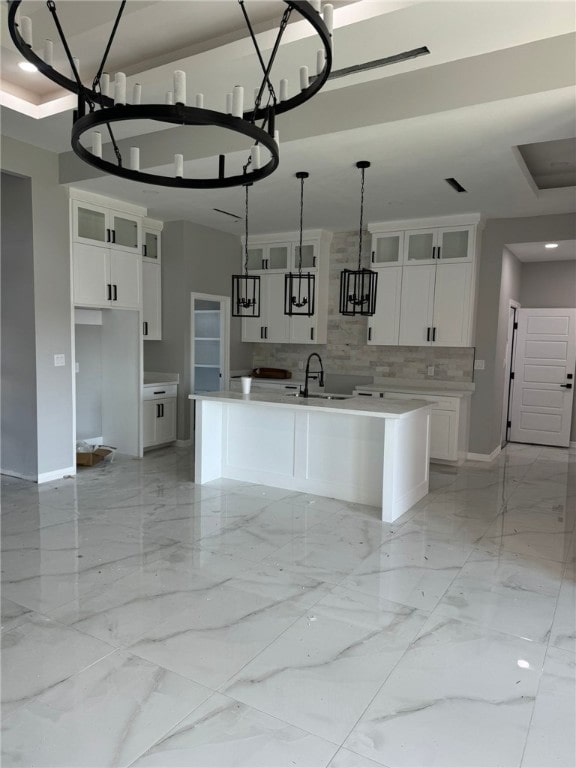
[(246, 233), (361, 220), (301, 223), (98, 75)]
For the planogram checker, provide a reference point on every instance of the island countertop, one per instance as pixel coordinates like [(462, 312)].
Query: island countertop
[(351, 406)]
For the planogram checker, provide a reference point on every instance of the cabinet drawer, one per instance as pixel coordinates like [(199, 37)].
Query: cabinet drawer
[(161, 392)]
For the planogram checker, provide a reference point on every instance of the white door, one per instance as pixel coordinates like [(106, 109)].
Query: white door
[(210, 334), (544, 376), (384, 326), (275, 321), (417, 306), (91, 277), (166, 420), (450, 327)]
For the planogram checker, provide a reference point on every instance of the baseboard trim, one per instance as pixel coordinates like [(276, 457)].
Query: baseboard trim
[(183, 443), (19, 475), (44, 477), (485, 456), (57, 474)]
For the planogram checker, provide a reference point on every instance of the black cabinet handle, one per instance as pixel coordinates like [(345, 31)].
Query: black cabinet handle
[(144, 250), (428, 334), (434, 334), (433, 251), (160, 392), (369, 334), (265, 331), (364, 394), (113, 232), (438, 254), (373, 254), (115, 292), (145, 328), (109, 291), (311, 334), (313, 261), (107, 235), (566, 386)]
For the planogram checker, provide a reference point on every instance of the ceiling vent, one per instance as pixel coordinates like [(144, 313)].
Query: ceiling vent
[(552, 164), (455, 185), (396, 59)]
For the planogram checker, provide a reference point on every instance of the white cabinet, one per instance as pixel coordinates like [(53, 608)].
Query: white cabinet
[(159, 414), (449, 422), (152, 241), (272, 257), (435, 263), (384, 325), (98, 225), (105, 277), (151, 301)]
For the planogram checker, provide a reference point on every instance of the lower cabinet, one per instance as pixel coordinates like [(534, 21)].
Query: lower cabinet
[(449, 422), (159, 415)]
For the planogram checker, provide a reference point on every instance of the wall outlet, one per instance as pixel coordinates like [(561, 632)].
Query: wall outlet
[(479, 365), (430, 370), (59, 360)]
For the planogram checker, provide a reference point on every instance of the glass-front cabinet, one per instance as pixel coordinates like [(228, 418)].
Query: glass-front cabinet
[(455, 244), (387, 249), (272, 257), (420, 246), (426, 246), (309, 256), (97, 225)]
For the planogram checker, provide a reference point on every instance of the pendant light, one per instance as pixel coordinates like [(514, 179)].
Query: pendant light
[(299, 287), (245, 287), (358, 286)]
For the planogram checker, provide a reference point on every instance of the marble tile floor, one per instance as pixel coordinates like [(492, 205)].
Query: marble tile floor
[(147, 621)]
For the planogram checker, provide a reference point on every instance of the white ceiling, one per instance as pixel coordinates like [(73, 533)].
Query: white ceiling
[(566, 251), (499, 74)]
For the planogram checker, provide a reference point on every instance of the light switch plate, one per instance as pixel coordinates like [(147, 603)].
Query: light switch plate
[(59, 360), (430, 370), (479, 365)]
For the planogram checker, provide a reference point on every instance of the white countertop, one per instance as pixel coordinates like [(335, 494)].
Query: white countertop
[(356, 406), (155, 379), (415, 388)]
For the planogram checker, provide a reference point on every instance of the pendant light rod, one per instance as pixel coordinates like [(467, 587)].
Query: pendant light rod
[(301, 175), (362, 164)]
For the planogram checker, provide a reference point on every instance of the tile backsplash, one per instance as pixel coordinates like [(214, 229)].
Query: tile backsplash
[(347, 352)]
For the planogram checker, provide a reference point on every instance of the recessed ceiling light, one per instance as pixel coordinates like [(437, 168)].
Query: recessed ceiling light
[(27, 66), (551, 245)]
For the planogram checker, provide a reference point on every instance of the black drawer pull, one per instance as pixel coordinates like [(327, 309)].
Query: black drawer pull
[(160, 392)]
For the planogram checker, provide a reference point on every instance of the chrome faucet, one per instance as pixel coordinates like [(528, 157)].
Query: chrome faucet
[(313, 374)]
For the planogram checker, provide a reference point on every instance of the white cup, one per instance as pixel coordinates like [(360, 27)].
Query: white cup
[(246, 384)]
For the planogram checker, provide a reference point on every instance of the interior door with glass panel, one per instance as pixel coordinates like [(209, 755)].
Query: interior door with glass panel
[(543, 391), (210, 342)]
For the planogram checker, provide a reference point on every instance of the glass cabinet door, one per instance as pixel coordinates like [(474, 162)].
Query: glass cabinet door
[(308, 256), (151, 245), (420, 246), (277, 257), (90, 224), (387, 249), (454, 244), (125, 232), (255, 259)]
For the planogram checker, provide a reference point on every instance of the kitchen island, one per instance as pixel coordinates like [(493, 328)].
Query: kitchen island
[(373, 452)]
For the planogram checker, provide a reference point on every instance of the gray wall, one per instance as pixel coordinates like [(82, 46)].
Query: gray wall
[(194, 259), (548, 284), (88, 340), (18, 359), (52, 302), (487, 400)]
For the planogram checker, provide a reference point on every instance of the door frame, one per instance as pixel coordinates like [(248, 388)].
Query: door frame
[(224, 335), (512, 325)]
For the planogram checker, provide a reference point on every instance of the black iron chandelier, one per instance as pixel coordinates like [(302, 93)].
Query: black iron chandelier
[(98, 109), (246, 287), (299, 287), (358, 286)]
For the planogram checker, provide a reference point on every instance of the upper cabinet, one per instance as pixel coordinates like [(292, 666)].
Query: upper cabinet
[(273, 256), (94, 224), (428, 298), (152, 280)]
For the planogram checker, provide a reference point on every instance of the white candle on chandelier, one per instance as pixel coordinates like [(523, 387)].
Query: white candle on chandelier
[(137, 93), (105, 84), (200, 100), (97, 143), (25, 25), (316, 4), (238, 101), (277, 138), (304, 80), (255, 155), (228, 103), (169, 97), (179, 166), (284, 89), (180, 86), (319, 61), (48, 52), (328, 15), (120, 88), (135, 158)]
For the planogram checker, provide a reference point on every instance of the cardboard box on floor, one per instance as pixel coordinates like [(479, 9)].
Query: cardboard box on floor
[(91, 458)]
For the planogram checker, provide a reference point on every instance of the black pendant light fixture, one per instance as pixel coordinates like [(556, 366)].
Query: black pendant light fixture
[(300, 287), (246, 287), (102, 104), (358, 286)]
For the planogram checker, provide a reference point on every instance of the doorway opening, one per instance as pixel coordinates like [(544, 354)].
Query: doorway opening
[(210, 343)]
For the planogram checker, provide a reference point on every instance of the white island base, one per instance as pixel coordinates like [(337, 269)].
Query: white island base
[(373, 453)]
